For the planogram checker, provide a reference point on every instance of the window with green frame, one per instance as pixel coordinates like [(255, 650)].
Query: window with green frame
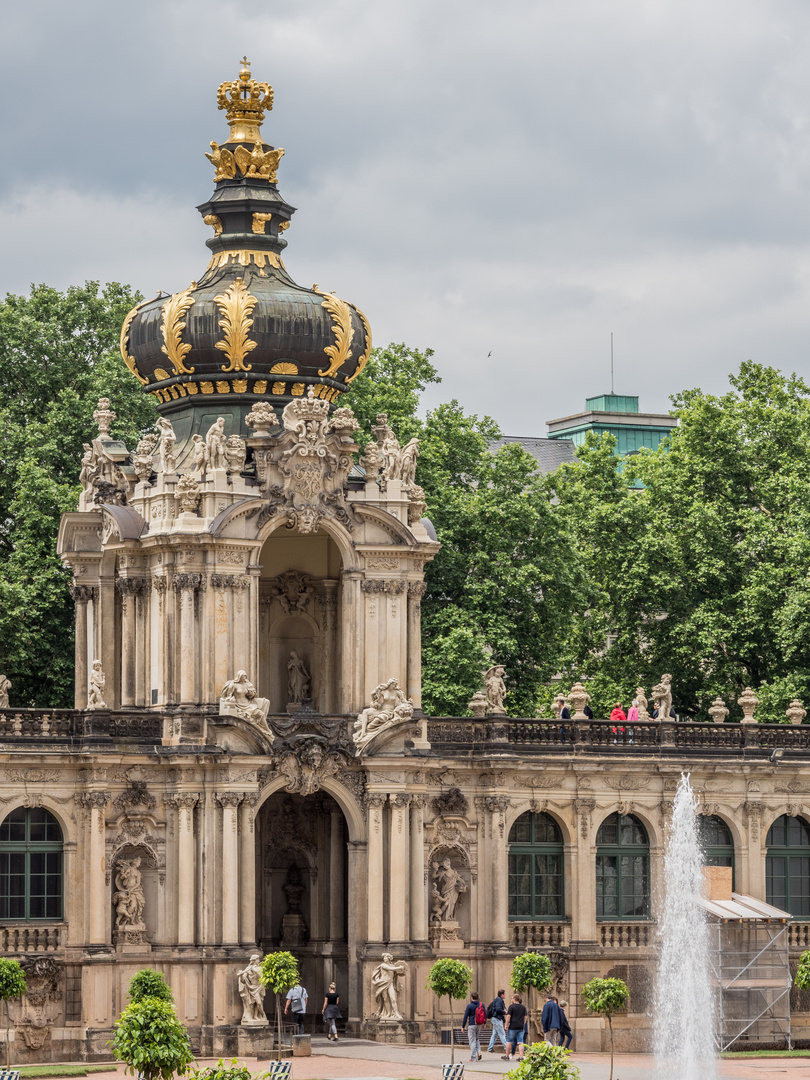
[(622, 869), (30, 866), (787, 866), (716, 842), (536, 868)]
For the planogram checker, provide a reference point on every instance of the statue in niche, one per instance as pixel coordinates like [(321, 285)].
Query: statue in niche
[(495, 689), (128, 898), (252, 992), (293, 890), (215, 445), (298, 678), (450, 885), (389, 706), (436, 904), (168, 463), (384, 982), (239, 698), (294, 930), (95, 692), (5, 686)]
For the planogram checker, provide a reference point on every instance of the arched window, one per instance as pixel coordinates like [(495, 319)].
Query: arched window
[(536, 868), (30, 866), (715, 841), (622, 869), (787, 866)]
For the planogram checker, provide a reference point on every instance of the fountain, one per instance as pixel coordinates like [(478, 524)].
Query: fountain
[(685, 1006)]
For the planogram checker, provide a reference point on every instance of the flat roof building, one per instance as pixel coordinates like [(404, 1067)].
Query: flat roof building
[(618, 415)]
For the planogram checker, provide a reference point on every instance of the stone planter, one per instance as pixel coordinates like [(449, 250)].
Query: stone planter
[(795, 712), (579, 698), (748, 701), (718, 712), (453, 1072)]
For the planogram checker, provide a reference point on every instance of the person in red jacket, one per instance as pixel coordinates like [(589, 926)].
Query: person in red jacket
[(618, 719)]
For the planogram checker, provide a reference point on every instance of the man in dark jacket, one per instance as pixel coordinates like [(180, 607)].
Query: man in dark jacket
[(566, 1034), (472, 1027), (550, 1020), (497, 1014)]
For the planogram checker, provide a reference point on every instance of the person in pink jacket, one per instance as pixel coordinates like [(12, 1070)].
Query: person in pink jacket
[(632, 716)]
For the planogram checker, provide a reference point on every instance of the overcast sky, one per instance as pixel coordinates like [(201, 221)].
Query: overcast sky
[(514, 178)]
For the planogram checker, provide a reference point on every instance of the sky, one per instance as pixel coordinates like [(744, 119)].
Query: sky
[(506, 183)]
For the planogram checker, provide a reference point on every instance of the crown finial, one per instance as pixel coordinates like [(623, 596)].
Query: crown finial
[(245, 101)]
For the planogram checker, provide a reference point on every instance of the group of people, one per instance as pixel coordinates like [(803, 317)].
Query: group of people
[(510, 1024), (296, 1004)]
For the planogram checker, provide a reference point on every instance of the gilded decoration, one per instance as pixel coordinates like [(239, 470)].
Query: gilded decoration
[(214, 222), (235, 306), (259, 222), (245, 102), (245, 258), (172, 325), (124, 343), (342, 328), (364, 358)]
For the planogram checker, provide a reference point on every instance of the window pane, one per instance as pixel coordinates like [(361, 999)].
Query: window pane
[(520, 886), (714, 832), (799, 886), (776, 881), (798, 835), (548, 886), (606, 887), (777, 834), (718, 860), (30, 865), (13, 828), (632, 831), (546, 830), (521, 831), (609, 831)]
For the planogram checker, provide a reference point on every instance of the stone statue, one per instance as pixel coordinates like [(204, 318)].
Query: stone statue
[(495, 689), (391, 456), (168, 464), (251, 992), (407, 463), (343, 423), (662, 696), (384, 982), (128, 898), (239, 698), (436, 904), (450, 885), (200, 451), (5, 686), (89, 472), (235, 454), (188, 493), (641, 698), (142, 457), (298, 678), (95, 693), (307, 419), (389, 706), (294, 890), (372, 461), (261, 418), (215, 445)]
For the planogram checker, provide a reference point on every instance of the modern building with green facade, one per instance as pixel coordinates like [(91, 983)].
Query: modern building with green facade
[(618, 415)]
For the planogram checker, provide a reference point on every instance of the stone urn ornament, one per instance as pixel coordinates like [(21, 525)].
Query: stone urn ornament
[(579, 698), (478, 704), (748, 701), (795, 712), (718, 711)]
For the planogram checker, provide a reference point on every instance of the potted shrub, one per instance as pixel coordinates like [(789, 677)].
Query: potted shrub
[(279, 973), (12, 985), (606, 996), (451, 979), (545, 1062), (149, 983), (151, 1040), (531, 971)]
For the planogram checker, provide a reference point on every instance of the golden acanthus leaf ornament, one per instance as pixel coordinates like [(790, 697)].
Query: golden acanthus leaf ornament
[(124, 343), (342, 328), (364, 358), (172, 325), (235, 306)]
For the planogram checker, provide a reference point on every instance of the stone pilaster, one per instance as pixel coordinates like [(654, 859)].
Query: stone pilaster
[(187, 586), (337, 883), (419, 919), (98, 896), (185, 801), (82, 595), (416, 590), (247, 870), (375, 801), (229, 801), (399, 870)]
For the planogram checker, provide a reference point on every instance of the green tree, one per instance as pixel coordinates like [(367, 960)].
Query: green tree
[(151, 1040), (12, 985), (392, 382), (279, 973), (545, 1062), (606, 996), (451, 979), (530, 971), (58, 355), (802, 979), (149, 983)]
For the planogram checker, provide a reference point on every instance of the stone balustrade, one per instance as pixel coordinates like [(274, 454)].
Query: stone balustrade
[(30, 939), (540, 935), (626, 935), (799, 935)]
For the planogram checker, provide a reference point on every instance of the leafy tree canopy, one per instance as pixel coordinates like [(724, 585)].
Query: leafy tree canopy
[(151, 1040), (530, 969), (450, 978), (149, 983)]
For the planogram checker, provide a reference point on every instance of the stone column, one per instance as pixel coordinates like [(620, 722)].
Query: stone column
[(399, 875), (247, 871), (127, 588), (229, 801), (583, 914), (419, 919), (82, 594), (328, 603), (497, 806), (240, 642), (353, 643), (96, 802), (186, 586), (185, 801), (337, 883), (416, 590), (376, 803), (142, 685)]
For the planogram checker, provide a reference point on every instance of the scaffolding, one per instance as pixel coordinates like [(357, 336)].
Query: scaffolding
[(751, 972)]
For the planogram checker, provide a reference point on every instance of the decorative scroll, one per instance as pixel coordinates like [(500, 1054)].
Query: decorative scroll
[(124, 343), (342, 328), (172, 326), (235, 306)]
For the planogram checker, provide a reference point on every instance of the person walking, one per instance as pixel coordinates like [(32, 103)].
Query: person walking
[(475, 1016), (497, 1014), (550, 1020), (331, 1012), (297, 1004), (566, 1034), (515, 1021)]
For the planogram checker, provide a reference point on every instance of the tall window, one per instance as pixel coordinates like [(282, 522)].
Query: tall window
[(622, 869), (715, 841), (30, 866), (536, 868), (787, 866)]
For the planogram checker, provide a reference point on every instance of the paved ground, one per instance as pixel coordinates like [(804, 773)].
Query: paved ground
[(355, 1059)]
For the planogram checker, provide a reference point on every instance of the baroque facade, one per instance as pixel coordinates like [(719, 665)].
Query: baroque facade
[(247, 765)]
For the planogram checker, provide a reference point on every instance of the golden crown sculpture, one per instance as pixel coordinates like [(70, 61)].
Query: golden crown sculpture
[(245, 101)]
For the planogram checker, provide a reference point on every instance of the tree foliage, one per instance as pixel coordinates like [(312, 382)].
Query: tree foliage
[(151, 1040), (802, 980), (606, 996), (12, 985), (531, 969), (58, 356), (279, 973), (149, 983), (451, 979)]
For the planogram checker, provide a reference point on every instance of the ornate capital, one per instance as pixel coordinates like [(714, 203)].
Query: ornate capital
[(160, 584), (229, 798), (495, 804), (417, 589), (399, 799), (94, 800), (130, 586), (383, 585), (183, 800), (82, 593), (375, 799), (187, 581), (230, 581)]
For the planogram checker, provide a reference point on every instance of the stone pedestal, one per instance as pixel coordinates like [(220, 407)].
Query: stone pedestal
[(293, 930), (302, 1046), (254, 1037), (390, 1031), (445, 937), (293, 707)]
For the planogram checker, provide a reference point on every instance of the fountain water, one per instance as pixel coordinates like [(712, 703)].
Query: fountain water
[(685, 1006)]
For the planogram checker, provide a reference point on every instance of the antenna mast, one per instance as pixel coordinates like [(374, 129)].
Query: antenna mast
[(611, 361)]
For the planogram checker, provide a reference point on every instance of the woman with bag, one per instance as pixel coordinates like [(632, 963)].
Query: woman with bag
[(331, 1012)]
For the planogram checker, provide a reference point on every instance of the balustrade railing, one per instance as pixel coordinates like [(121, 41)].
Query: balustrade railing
[(540, 935), (31, 939), (76, 724), (625, 935), (799, 935)]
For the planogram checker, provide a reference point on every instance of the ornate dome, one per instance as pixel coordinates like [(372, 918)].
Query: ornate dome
[(245, 330)]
